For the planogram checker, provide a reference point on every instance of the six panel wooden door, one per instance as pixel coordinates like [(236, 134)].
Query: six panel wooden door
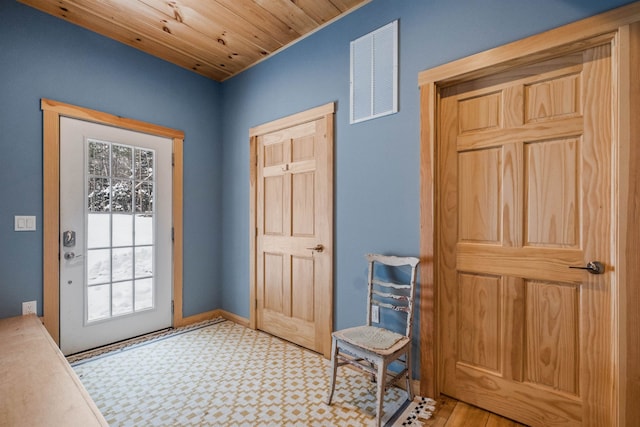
[(294, 235), (525, 193)]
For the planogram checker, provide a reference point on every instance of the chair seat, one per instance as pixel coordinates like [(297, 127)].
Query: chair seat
[(372, 338)]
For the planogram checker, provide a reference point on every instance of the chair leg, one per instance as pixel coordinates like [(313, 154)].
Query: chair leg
[(409, 374), (382, 380), (334, 367)]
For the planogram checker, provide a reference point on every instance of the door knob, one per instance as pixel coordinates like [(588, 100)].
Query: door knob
[(593, 267), (317, 248), (70, 255)]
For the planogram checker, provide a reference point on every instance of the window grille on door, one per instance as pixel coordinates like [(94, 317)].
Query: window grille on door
[(120, 229)]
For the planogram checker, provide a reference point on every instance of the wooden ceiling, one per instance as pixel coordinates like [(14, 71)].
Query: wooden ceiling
[(215, 38)]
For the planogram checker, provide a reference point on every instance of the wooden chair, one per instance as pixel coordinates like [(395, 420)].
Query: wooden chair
[(371, 348)]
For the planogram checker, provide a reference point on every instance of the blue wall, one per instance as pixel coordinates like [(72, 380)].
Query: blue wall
[(375, 158), (45, 57), (376, 162)]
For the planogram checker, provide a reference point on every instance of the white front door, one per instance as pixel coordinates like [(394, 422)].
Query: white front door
[(115, 221)]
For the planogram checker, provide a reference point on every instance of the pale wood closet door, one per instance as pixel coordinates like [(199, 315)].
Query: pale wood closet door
[(525, 192), (294, 282)]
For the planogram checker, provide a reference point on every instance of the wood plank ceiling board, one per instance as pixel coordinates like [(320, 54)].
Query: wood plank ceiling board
[(214, 38)]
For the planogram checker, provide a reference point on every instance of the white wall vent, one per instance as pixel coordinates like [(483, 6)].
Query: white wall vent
[(374, 74)]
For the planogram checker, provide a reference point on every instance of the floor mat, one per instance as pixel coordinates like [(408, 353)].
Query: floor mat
[(84, 356), (415, 413)]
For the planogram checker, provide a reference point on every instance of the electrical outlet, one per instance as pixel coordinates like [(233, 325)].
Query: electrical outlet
[(30, 307), (375, 313)]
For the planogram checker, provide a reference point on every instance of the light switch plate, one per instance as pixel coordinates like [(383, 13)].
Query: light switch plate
[(25, 223)]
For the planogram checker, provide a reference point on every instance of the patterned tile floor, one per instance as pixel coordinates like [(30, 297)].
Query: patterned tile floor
[(227, 375)]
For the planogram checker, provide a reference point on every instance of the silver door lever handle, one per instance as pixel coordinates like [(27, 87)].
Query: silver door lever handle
[(70, 255), (593, 267)]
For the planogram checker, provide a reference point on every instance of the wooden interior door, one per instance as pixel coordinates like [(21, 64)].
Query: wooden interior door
[(294, 229), (524, 192)]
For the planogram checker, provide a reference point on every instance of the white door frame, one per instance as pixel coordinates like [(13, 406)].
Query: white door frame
[(52, 111)]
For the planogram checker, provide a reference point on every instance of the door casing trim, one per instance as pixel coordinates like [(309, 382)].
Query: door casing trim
[(52, 111), (621, 27)]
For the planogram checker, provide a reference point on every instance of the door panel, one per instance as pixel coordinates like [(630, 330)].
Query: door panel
[(552, 203), (551, 348), (480, 322), (294, 283), (302, 271), (479, 179), (303, 209), (524, 190)]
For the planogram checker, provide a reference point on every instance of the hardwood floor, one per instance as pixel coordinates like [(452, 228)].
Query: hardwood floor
[(451, 413)]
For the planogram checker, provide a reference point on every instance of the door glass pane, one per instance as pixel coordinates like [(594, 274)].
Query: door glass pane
[(121, 166), (121, 195), (122, 264), (122, 231), (144, 197), (122, 300), (120, 180), (144, 230), (98, 302), (98, 230), (144, 164), (144, 261), (98, 266), (144, 294), (98, 195), (99, 154)]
